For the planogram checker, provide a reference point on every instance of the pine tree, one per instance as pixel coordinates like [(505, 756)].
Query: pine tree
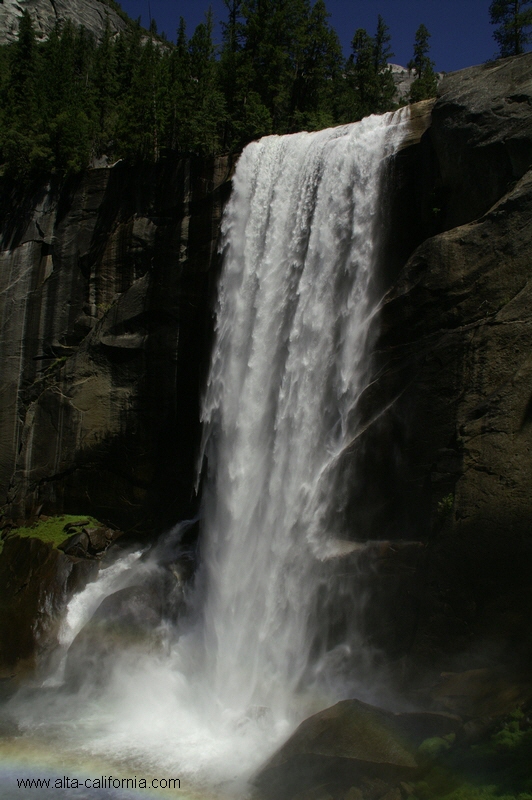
[(368, 87), (178, 99), (274, 40), (106, 89), (319, 70), (382, 52), (363, 72), (247, 116), (24, 142), (426, 82), (514, 18), (69, 99), (133, 108), (138, 128), (22, 87), (207, 105)]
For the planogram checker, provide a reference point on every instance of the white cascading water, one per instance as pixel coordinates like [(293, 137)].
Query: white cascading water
[(296, 297), (301, 238)]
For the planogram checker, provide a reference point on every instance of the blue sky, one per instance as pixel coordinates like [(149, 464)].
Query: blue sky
[(461, 34)]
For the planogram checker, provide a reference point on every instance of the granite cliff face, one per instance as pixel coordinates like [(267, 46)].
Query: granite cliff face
[(105, 289), (106, 286), (92, 14), (447, 451)]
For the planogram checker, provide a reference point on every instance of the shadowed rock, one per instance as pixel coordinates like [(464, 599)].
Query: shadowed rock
[(89, 542), (35, 582), (336, 748), (352, 751)]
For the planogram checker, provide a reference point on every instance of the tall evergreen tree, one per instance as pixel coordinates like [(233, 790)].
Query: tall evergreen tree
[(363, 73), (426, 82), (22, 86), (106, 88), (23, 141), (229, 69), (318, 70), (382, 52), (207, 108), (274, 40), (369, 86), (67, 97), (179, 95), (247, 117), (514, 18)]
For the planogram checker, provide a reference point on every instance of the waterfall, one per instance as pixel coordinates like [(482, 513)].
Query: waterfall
[(297, 294), (300, 240)]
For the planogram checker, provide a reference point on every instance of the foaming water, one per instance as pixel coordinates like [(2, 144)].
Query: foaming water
[(301, 239), (83, 605), (219, 689)]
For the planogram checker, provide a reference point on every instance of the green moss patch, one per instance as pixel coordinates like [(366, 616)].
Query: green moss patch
[(52, 529)]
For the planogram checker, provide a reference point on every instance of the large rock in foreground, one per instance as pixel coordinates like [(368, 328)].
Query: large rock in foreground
[(351, 745), (338, 747)]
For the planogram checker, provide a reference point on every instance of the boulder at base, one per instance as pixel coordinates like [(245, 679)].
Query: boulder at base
[(349, 744)]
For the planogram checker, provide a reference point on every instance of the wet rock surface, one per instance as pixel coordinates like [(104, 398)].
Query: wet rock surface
[(444, 454), (89, 542), (128, 623), (351, 751), (35, 581), (106, 286), (356, 751)]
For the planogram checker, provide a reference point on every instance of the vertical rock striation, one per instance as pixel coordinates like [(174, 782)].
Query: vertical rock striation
[(447, 453), (105, 306)]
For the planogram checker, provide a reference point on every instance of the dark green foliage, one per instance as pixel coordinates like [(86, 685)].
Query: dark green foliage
[(133, 95), (364, 72), (23, 139), (369, 86), (206, 108), (279, 68), (382, 52), (273, 34), (318, 71), (514, 18), (100, 70), (495, 768), (425, 83)]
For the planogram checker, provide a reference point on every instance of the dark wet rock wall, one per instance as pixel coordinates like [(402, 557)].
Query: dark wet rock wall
[(445, 453), (106, 316)]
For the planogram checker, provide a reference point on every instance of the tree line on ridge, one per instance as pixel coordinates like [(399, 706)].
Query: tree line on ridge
[(280, 68)]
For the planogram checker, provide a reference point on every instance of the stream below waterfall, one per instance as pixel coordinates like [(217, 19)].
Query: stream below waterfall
[(267, 633)]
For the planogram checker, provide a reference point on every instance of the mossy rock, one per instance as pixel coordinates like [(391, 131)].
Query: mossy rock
[(52, 529)]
